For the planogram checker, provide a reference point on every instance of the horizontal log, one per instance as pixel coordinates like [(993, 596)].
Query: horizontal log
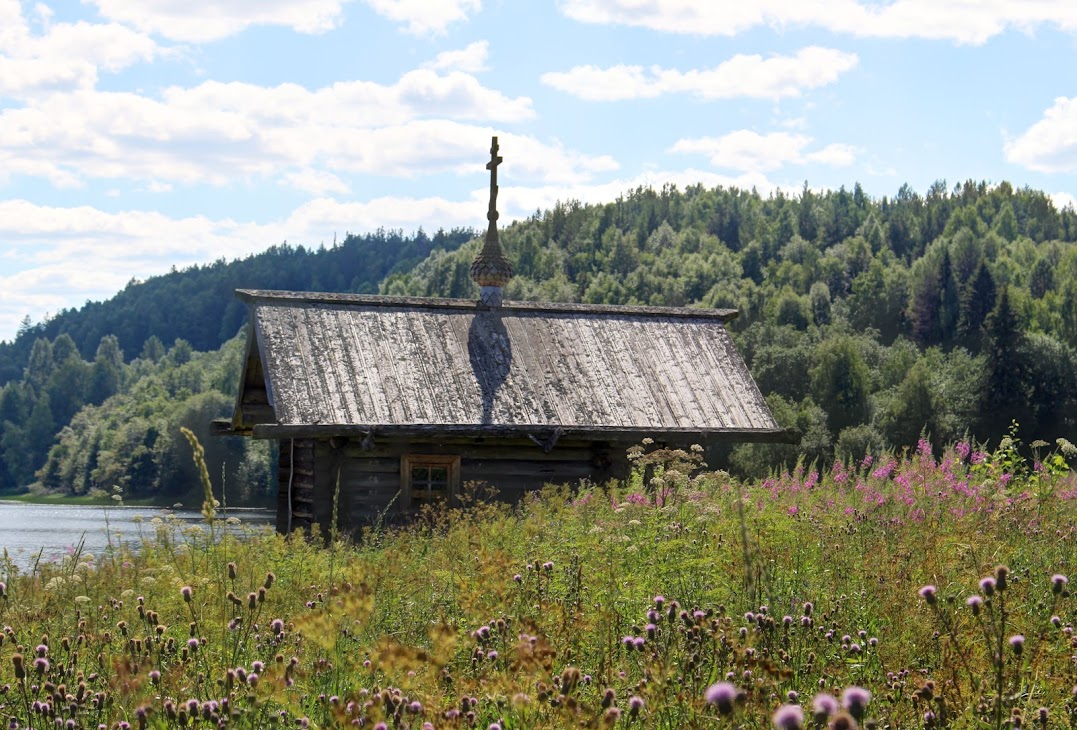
[(624, 435)]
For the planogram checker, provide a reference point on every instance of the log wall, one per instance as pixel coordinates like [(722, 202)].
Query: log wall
[(370, 478)]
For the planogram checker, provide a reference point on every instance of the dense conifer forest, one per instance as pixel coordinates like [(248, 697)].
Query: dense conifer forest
[(868, 323)]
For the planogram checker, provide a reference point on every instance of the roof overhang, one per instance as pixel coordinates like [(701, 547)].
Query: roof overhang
[(612, 434)]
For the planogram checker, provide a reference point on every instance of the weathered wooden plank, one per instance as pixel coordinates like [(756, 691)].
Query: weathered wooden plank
[(332, 361), (508, 468)]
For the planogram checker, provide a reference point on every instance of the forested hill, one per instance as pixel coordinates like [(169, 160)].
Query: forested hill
[(866, 322), (199, 304)]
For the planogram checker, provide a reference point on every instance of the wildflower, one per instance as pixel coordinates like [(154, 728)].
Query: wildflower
[(547, 566), (1001, 574), (1056, 621), (987, 586), (808, 608), (1017, 643), (518, 578), (823, 706), (722, 695), (975, 603), (635, 704), (415, 707), (186, 593), (155, 676), (1058, 583), (789, 717), (276, 626), (930, 594), (41, 664), (855, 700)]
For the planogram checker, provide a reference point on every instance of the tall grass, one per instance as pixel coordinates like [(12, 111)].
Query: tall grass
[(679, 599)]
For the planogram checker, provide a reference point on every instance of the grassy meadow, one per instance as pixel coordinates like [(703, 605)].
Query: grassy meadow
[(911, 591)]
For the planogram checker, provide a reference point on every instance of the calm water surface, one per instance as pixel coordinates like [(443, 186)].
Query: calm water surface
[(53, 530)]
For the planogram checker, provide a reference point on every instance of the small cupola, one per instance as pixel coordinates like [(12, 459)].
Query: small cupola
[(490, 269)]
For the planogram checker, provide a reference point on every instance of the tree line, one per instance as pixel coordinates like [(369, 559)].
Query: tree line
[(867, 323)]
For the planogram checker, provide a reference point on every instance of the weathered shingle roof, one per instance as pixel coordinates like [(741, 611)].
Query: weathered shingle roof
[(417, 365)]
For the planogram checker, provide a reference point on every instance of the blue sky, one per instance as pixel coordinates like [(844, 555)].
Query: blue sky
[(137, 135)]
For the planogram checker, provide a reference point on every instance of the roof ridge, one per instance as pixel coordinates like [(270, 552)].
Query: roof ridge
[(255, 296)]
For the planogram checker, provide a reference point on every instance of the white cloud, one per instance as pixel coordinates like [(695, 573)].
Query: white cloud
[(424, 17), (740, 76), (201, 21), (317, 182), (65, 55), (960, 21), (747, 150), (837, 155), (217, 132), (1064, 200), (470, 59), (1049, 145)]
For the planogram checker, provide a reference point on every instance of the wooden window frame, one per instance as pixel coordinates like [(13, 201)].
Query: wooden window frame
[(409, 462)]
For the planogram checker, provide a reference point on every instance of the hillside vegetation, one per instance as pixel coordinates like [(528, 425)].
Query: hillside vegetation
[(926, 591), (865, 322)]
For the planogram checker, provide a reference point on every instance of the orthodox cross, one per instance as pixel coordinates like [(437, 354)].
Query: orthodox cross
[(491, 215)]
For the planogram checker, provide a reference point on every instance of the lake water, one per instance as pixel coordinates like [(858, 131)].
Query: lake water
[(53, 530)]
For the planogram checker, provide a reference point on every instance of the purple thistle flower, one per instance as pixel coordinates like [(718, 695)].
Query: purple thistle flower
[(824, 706), (41, 664), (789, 717), (975, 603), (855, 700), (722, 695), (635, 704), (1017, 643), (659, 601), (1058, 582), (987, 586), (930, 594), (186, 592)]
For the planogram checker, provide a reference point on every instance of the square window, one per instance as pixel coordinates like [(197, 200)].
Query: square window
[(428, 479)]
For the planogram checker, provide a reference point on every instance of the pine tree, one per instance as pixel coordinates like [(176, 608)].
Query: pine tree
[(1006, 395)]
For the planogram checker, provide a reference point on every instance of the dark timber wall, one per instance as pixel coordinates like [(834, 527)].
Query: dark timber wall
[(370, 478)]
